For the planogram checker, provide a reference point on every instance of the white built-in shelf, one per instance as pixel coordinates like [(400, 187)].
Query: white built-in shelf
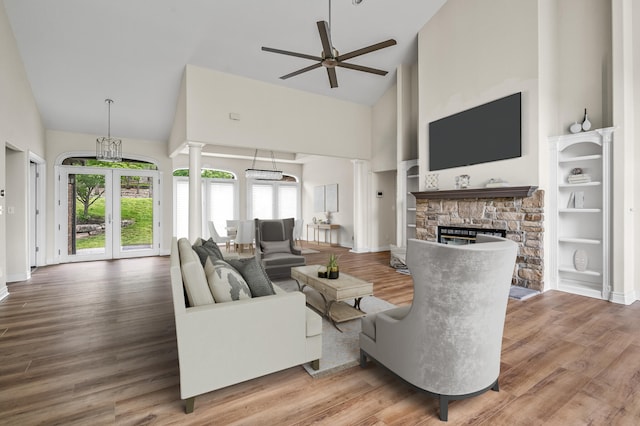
[(581, 229), (411, 209), (574, 185), (580, 158), (575, 271), (580, 210), (579, 240), (413, 176), (411, 225)]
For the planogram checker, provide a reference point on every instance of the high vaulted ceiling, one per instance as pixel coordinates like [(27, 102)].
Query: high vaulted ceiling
[(77, 53)]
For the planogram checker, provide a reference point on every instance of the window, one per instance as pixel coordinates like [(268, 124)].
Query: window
[(219, 200), (274, 199)]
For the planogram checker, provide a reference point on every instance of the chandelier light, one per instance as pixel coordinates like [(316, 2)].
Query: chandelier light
[(263, 174), (108, 148)]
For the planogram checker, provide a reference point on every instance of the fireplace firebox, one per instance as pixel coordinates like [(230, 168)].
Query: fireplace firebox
[(460, 236)]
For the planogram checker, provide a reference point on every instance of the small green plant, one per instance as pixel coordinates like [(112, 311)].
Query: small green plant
[(332, 265)]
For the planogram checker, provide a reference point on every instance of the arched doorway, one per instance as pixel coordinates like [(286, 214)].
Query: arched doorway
[(107, 210)]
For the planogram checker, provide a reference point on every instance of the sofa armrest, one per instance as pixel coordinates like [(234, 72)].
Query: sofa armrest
[(227, 343)]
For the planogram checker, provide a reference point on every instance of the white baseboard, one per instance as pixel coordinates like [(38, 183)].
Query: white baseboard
[(623, 298), (379, 249), (4, 292), (23, 276), (362, 250)]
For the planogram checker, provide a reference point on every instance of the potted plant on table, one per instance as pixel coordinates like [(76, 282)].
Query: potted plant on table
[(332, 267)]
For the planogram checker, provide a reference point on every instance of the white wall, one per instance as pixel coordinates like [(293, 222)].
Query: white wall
[(21, 129), (322, 171), (636, 120), (382, 210), (65, 142), (384, 131), (273, 117), (471, 53)]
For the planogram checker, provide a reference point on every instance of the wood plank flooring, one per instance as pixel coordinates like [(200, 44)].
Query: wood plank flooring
[(94, 344)]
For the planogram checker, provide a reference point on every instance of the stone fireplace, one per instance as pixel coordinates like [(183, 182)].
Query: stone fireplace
[(519, 211)]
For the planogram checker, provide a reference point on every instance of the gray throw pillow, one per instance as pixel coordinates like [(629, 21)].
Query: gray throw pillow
[(206, 249), (269, 247), (254, 274), (225, 282)]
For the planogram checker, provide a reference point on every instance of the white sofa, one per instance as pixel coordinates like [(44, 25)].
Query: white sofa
[(221, 344)]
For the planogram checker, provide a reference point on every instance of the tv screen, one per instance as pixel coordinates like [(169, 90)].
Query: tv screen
[(485, 133)]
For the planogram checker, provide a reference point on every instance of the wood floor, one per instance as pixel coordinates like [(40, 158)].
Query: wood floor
[(94, 343)]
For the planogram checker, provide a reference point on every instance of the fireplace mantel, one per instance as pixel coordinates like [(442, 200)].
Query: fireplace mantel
[(500, 192)]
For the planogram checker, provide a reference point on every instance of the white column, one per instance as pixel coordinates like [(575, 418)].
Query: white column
[(624, 253), (195, 190), (361, 177)]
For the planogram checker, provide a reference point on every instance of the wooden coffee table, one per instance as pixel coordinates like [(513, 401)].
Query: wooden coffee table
[(334, 292)]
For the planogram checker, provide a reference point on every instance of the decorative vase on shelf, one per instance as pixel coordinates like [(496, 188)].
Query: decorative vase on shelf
[(586, 124), (575, 127)]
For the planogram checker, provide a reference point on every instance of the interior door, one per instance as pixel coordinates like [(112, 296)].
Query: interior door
[(108, 213)]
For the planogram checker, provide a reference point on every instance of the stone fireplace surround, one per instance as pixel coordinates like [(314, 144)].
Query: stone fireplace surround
[(518, 210)]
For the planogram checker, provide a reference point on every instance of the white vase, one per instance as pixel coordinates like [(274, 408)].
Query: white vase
[(575, 127), (586, 124)]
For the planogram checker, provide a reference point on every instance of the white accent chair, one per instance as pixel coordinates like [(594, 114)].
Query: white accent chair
[(448, 341), (217, 238), (245, 236)]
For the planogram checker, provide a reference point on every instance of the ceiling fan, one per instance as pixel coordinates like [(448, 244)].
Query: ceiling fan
[(330, 58)]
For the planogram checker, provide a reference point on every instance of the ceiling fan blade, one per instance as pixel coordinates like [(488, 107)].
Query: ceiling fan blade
[(323, 29), (286, 52), (361, 68), (300, 71), (333, 78), (368, 49)]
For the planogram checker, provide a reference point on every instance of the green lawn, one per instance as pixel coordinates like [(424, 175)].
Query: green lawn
[(139, 210)]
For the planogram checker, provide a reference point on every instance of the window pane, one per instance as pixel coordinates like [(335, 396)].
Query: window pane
[(287, 201), (221, 204), (262, 201), (182, 209)]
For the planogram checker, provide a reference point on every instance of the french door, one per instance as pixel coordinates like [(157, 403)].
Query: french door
[(107, 213)]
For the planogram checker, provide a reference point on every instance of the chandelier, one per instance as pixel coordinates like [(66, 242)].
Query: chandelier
[(262, 174), (108, 148)]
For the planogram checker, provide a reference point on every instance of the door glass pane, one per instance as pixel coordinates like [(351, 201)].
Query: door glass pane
[(182, 209), (221, 204), (262, 201), (287, 201), (86, 214), (136, 212)]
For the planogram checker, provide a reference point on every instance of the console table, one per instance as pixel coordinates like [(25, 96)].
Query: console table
[(317, 227)]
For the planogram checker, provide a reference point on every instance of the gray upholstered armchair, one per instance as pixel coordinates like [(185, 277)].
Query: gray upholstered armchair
[(448, 341), (275, 247)]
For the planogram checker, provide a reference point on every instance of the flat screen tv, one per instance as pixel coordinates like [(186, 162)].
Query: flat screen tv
[(485, 133)]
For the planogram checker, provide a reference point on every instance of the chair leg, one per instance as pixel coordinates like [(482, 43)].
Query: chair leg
[(363, 359), (315, 364), (495, 387), (444, 408), (189, 404)]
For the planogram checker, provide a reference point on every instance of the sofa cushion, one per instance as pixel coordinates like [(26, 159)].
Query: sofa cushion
[(282, 259), (226, 284), (193, 276), (207, 248), (255, 276), (270, 247)]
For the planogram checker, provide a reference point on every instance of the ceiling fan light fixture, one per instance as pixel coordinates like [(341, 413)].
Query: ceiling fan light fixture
[(108, 148)]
